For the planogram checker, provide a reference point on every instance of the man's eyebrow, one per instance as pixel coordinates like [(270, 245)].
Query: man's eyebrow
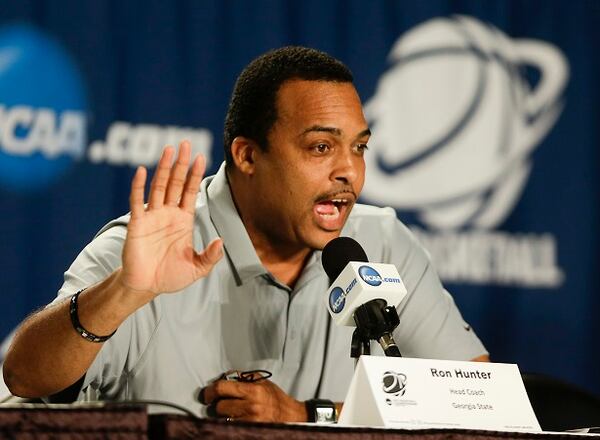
[(334, 131), (365, 132)]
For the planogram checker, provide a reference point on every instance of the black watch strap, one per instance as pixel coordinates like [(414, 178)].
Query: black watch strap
[(321, 411)]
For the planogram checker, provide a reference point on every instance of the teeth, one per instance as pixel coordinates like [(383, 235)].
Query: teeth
[(335, 212), (339, 200)]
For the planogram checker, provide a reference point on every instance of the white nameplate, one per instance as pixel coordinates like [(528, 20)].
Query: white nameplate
[(422, 393)]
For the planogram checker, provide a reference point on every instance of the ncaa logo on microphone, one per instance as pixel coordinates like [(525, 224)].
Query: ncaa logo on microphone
[(43, 109), (370, 275), (337, 300)]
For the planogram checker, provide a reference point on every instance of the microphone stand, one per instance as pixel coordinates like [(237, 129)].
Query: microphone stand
[(375, 320)]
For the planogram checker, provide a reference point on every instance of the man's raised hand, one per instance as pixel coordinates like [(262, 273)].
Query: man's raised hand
[(158, 254)]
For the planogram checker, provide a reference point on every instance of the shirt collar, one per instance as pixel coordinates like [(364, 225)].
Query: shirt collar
[(228, 224)]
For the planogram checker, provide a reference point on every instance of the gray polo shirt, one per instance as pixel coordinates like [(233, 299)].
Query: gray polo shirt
[(241, 317)]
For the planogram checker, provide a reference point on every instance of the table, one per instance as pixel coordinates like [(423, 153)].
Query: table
[(132, 422)]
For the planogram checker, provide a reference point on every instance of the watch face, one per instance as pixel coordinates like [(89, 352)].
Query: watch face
[(324, 415)]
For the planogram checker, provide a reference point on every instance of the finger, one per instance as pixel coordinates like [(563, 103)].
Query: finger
[(192, 184), (178, 174), (160, 179), (136, 197), (234, 408), (211, 410), (224, 389), (205, 260)]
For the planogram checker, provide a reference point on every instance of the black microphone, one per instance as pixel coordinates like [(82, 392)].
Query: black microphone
[(338, 253), (362, 291)]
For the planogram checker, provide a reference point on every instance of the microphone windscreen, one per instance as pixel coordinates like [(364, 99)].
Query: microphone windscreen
[(338, 253)]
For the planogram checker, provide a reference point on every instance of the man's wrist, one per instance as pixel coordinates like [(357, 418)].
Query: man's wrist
[(137, 297), (83, 332), (104, 306)]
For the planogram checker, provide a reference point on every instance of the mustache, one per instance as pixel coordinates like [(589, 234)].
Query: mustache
[(345, 191)]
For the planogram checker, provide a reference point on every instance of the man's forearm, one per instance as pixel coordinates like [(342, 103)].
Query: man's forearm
[(48, 354)]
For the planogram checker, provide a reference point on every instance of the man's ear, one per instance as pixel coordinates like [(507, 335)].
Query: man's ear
[(243, 151)]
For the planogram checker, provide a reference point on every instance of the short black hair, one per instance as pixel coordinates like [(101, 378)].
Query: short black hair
[(252, 109)]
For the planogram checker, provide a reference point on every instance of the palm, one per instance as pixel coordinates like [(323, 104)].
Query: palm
[(158, 255)]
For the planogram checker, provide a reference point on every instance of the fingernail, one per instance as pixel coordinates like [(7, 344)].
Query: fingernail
[(211, 410), (201, 397)]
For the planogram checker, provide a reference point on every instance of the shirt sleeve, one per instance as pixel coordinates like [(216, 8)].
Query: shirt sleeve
[(431, 326), (95, 263)]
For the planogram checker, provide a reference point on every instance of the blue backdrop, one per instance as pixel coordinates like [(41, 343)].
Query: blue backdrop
[(486, 135)]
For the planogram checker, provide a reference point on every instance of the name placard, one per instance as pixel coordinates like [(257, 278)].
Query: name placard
[(423, 393)]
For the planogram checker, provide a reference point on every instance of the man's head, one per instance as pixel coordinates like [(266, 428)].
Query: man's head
[(252, 110), (295, 188)]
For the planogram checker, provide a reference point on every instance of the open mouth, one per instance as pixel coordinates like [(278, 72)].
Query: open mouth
[(330, 213)]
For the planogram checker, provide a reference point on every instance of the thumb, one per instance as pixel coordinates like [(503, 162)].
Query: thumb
[(205, 260)]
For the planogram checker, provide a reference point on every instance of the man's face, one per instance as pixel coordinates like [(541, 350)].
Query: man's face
[(313, 170)]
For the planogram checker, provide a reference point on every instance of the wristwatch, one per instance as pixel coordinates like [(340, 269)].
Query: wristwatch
[(321, 411)]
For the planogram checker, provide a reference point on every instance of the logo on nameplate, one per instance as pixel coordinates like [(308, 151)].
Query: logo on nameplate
[(393, 385)]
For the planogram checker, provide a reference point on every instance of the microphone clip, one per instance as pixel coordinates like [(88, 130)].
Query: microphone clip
[(375, 320)]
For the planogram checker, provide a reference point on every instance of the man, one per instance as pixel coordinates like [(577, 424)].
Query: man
[(295, 139)]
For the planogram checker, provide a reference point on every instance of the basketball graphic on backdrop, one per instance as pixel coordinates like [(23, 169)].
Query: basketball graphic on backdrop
[(455, 120)]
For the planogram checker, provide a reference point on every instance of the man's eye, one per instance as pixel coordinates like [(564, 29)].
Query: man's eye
[(321, 148), (361, 148)]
